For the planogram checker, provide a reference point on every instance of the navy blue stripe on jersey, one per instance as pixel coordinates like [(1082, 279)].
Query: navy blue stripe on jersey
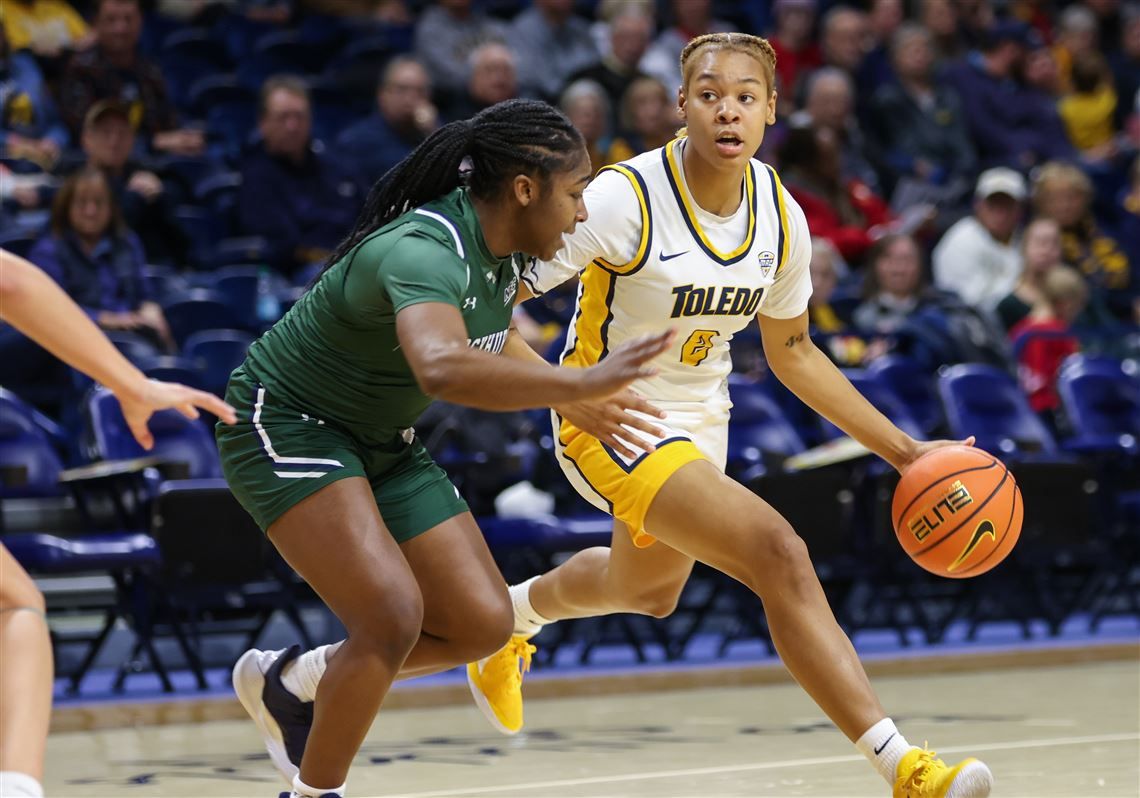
[(780, 242), (609, 318)]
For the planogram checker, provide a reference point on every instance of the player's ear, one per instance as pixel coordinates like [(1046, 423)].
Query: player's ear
[(525, 189), (681, 102), (771, 120)]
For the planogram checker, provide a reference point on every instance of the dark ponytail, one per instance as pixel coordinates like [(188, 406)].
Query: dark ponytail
[(507, 139)]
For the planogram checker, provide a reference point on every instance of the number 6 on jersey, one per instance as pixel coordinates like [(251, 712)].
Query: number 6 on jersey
[(697, 347)]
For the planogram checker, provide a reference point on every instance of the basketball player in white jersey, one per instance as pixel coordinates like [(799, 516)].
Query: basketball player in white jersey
[(699, 236)]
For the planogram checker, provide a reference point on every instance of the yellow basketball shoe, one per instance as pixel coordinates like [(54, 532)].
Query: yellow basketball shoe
[(921, 774), (496, 684)]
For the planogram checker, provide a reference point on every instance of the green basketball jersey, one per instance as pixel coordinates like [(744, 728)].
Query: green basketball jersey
[(335, 354)]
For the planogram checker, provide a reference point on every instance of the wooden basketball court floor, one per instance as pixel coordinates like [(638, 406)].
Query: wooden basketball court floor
[(1047, 726)]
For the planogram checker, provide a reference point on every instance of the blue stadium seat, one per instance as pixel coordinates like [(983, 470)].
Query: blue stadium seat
[(219, 352), (358, 64), (905, 378), (203, 229), (218, 191), (171, 368), (237, 285), (29, 464), (49, 554), (289, 51), (134, 347), (199, 309), (177, 439), (758, 433), (11, 404), (221, 89), (185, 56), (18, 241), (230, 128), (1102, 403), (986, 401)]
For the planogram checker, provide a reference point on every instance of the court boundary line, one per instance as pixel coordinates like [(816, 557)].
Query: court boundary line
[(1047, 742), (647, 679)]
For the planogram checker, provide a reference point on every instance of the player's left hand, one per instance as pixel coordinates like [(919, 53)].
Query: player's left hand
[(610, 421), (922, 447), (158, 395)]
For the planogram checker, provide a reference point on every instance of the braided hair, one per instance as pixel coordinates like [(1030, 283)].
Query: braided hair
[(507, 139)]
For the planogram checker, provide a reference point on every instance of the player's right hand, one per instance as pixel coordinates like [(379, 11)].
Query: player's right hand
[(624, 365), (157, 395), (610, 421)]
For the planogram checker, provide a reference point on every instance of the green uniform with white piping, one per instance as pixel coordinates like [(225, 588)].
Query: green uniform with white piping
[(327, 393)]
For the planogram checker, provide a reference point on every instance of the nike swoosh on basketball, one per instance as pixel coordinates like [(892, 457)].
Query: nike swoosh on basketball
[(984, 528), (879, 750), (665, 257)]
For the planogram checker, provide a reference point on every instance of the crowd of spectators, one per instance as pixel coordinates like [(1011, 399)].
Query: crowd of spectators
[(964, 164)]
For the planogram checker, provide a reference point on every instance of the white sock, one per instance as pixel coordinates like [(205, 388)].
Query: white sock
[(19, 785), (303, 790), (302, 675), (527, 620), (884, 746)]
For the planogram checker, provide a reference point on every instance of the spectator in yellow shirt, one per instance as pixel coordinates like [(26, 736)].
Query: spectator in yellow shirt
[(1089, 109), (46, 27)]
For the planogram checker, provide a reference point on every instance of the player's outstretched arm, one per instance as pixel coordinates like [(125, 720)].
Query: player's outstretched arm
[(434, 340), (35, 305), (809, 374), (607, 418)]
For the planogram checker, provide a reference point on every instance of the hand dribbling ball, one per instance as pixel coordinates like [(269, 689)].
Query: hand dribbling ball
[(957, 511)]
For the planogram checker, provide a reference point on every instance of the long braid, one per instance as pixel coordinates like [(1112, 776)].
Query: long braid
[(512, 137)]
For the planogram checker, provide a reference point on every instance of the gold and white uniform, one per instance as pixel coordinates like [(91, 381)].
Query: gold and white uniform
[(649, 259)]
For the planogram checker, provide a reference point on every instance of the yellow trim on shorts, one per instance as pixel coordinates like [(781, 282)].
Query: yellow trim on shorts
[(631, 492)]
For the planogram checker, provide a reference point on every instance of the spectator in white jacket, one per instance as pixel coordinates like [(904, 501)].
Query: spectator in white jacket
[(979, 257)]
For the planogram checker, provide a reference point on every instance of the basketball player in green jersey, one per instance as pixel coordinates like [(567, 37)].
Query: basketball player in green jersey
[(416, 303)]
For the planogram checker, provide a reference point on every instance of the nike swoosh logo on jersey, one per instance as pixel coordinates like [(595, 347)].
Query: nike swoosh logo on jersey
[(665, 257)]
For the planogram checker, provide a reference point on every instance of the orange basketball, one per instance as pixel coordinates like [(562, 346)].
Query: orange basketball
[(957, 511)]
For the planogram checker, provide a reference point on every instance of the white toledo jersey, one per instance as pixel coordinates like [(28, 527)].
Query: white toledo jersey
[(651, 259)]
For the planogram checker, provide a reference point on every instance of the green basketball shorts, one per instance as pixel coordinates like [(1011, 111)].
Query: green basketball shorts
[(277, 455)]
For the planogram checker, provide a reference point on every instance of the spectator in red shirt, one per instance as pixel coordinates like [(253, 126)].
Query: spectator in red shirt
[(1044, 338), (846, 212), (796, 49)]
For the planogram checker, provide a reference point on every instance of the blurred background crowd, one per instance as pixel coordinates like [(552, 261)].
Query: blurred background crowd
[(967, 167)]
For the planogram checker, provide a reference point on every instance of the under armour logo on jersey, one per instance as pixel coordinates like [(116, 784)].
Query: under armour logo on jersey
[(307, 417), (469, 303), (490, 277)]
